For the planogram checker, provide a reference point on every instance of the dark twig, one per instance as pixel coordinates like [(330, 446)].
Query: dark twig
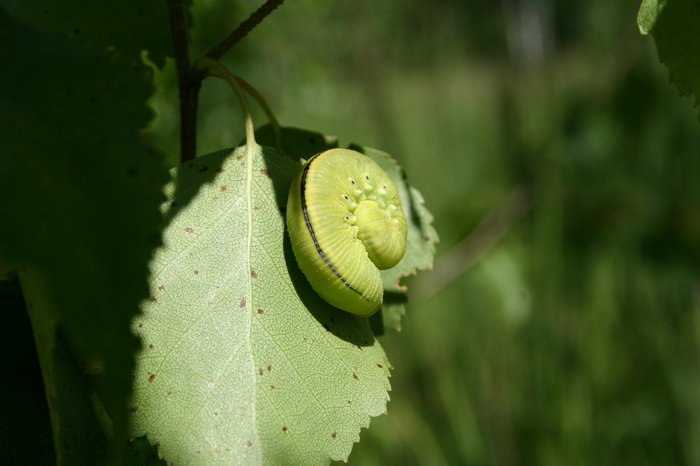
[(472, 249), (188, 84), (190, 78), (243, 29)]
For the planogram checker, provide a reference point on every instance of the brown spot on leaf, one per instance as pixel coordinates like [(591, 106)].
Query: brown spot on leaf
[(269, 368), (256, 207), (220, 170), (265, 172), (261, 371), (151, 377), (161, 287), (272, 387), (239, 157), (150, 346), (334, 434), (380, 366), (253, 273), (196, 272), (261, 311), (153, 299), (223, 188), (249, 444), (285, 429), (354, 376), (189, 230), (242, 302)]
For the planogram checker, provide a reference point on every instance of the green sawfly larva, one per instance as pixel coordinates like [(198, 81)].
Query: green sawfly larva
[(346, 223)]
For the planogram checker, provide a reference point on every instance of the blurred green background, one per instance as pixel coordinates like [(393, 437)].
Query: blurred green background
[(564, 329)]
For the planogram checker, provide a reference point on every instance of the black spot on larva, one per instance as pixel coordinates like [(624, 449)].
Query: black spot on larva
[(242, 302), (367, 177), (261, 311), (285, 429), (334, 434), (203, 169), (352, 181), (151, 377), (345, 196)]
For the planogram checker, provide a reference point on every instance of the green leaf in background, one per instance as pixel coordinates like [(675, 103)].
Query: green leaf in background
[(128, 26), (81, 204), (242, 362), (675, 25)]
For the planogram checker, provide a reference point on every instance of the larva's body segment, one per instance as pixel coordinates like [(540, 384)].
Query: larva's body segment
[(345, 222)]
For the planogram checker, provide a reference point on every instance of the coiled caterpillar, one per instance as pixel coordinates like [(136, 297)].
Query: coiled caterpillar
[(346, 223)]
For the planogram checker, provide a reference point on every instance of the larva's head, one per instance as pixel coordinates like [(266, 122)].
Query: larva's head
[(346, 222)]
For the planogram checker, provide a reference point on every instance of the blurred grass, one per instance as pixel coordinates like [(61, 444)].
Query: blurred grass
[(575, 340)]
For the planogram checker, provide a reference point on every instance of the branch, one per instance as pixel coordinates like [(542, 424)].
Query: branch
[(188, 83), (493, 228), (243, 29)]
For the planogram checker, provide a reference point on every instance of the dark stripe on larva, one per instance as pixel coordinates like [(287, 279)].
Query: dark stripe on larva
[(313, 233)]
